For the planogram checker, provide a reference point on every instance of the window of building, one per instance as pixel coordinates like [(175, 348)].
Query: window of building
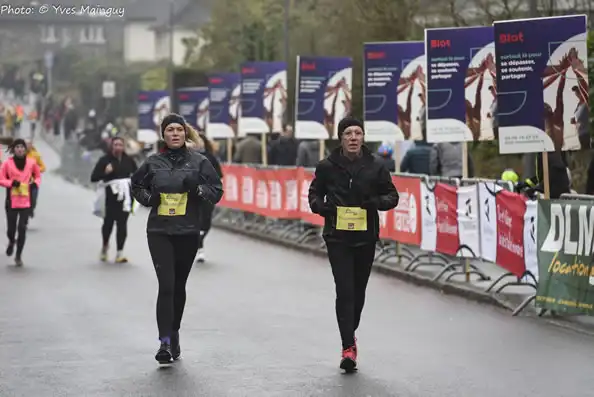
[(48, 34), (92, 34)]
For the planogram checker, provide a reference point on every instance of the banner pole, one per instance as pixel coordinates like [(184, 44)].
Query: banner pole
[(545, 175), (264, 147), (465, 175), (397, 161), (322, 149), (229, 150)]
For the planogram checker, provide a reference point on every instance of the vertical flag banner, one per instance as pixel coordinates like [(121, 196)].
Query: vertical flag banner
[(542, 84), (460, 84), (224, 109), (394, 90), (193, 105), (566, 275), (323, 96), (153, 106), (263, 97)]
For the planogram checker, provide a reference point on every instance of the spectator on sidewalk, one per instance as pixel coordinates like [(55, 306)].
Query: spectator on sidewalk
[(283, 151), (249, 151), (446, 160), (417, 158)]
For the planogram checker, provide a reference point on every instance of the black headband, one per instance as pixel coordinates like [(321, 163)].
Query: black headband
[(171, 119)]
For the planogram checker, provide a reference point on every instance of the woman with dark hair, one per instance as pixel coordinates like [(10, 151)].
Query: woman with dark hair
[(114, 170), (176, 184), (205, 147), (19, 174)]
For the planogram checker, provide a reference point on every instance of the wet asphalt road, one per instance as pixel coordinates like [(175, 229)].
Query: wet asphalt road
[(259, 322)]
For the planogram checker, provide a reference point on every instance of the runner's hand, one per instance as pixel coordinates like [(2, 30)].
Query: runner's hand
[(16, 183), (109, 169)]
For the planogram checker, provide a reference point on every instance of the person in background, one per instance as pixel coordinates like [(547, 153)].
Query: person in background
[(175, 184), (349, 188), (115, 169), (308, 153), (417, 158), (249, 151), (19, 116), (33, 154), (19, 174), (283, 151), (446, 160), (384, 154), (205, 147)]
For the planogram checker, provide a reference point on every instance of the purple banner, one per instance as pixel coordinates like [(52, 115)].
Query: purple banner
[(263, 97), (193, 105), (153, 106), (224, 109), (323, 95), (394, 90)]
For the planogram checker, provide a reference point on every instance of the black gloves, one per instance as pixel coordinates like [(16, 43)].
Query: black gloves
[(192, 185), (370, 204), (155, 199), (328, 209), (16, 183)]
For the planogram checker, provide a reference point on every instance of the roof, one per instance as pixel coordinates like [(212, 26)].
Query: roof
[(186, 13)]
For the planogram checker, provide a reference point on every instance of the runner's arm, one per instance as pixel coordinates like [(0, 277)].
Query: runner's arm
[(36, 174), (141, 185), (98, 173), (4, 178), (317, 190), (388, 195), (210, 187)]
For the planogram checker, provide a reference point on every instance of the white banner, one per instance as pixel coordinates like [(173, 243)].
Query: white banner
[(428, 218), (468, 222), (488, 220)]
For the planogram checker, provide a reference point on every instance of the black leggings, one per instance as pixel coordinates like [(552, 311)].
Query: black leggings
[(114, 214), (205, 223), (351, 267), (17, 220), (173, 257)]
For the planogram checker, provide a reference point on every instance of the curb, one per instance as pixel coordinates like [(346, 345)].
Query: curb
[(415, 278)]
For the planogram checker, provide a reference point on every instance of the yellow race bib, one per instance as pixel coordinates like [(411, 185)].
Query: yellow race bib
[(352, 219), (173, 204), (22, 190)]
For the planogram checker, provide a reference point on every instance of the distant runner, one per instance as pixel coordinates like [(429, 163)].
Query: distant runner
[(33, 154), (19, 174)]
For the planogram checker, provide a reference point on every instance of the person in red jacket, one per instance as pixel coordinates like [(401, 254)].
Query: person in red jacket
[(19, 174)]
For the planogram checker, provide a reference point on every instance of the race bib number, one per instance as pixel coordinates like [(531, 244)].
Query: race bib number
[(173, 204), (22, 190), (352, 219)]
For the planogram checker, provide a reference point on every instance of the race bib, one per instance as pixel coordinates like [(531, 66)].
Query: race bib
[(173, 204), (352, 219), (22, 190)]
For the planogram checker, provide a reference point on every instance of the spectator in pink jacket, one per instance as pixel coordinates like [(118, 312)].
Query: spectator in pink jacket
[(18, 175)]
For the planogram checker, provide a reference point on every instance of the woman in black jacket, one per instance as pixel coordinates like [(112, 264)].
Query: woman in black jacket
[(115, 170), (176, 184), (349, 188)]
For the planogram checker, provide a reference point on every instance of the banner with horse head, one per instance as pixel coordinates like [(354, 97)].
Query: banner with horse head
[(394, 90), (542, 84), (193, 105), (263, 97), (323, 96), (460, 84), (153, 106)]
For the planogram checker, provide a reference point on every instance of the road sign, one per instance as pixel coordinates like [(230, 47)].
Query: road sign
[(109, 89), (49, 59)]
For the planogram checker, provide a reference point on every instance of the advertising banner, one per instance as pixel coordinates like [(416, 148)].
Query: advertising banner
[(153, 106), (565, 240), (542, 84), (468, 222), (224, 109), (394, 90), (460, 84), (406, 217), (323, 96), (193, 105), (263, 97)]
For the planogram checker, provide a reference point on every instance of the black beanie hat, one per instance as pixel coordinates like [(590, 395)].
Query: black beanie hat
[(170, 119), (17, 142), (346, 123)]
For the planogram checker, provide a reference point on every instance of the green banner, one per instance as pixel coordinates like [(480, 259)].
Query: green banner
[(566, 241)]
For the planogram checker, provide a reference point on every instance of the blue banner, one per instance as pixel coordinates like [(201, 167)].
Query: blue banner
[(224, 109), (263, 97), (323, 96), (394, 90), (460, 84), (153, 106), (193, 105), (542, 84)]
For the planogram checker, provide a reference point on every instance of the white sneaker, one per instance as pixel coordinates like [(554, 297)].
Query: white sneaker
[(200, 258)]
